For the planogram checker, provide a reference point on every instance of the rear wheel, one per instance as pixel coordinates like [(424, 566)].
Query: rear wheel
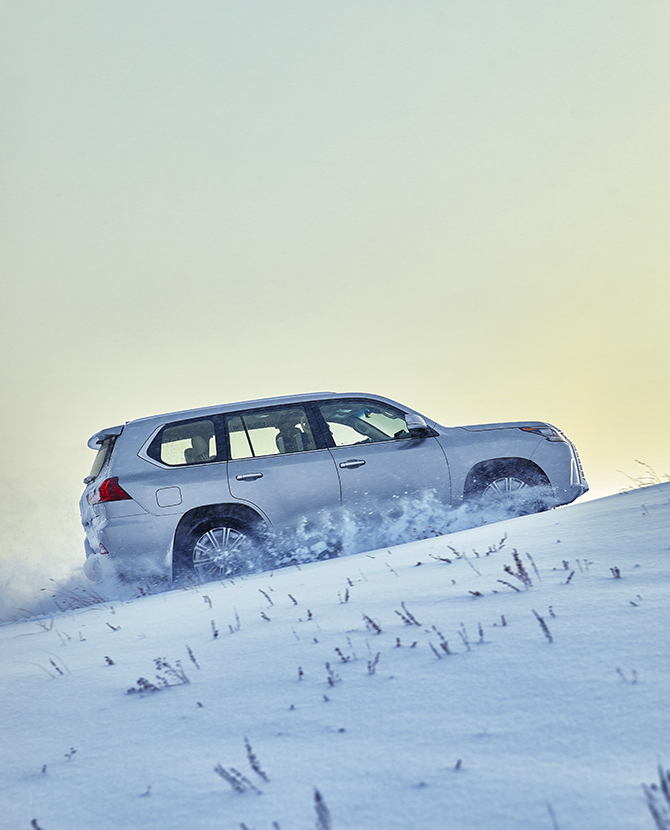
[(219, 548)]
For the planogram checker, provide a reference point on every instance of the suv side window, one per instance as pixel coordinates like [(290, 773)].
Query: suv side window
[(362, 422), (184, 443), (269, 432)]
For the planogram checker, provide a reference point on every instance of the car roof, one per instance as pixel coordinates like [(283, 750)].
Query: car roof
[(257, 403), (260, 402)]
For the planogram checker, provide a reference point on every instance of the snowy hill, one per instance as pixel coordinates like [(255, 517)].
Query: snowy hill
[(507, 677)]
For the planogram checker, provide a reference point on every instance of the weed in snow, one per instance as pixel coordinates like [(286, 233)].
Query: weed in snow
[(554, 822), (238, 624), (444, 645), (543, 626), (332, 677), (499, 546), (323, 820), (371, 625), (171, 676), (435, 651), (192, 657), (343, 657), (240, 783), (254, 763), (647, 479), (469, 562), (406, 616), (509, 585), (58, 669), (534, 566), (633, 676), (267, 596), (463, 634), (658, 799), (520, 572)]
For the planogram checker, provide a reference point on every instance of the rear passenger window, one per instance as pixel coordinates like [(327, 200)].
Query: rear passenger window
[(183, 443), (269, 432)]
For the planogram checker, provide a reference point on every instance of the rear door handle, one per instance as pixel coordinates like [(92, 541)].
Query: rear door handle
[(355, 462), (249, 476)]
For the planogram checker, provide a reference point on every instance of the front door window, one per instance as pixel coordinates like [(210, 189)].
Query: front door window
[(359, 422)]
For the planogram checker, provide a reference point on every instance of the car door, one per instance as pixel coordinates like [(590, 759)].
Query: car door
[(377, 460), (279, 464)]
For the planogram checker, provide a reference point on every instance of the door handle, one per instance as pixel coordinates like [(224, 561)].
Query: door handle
[(249, 476), (355, 462)]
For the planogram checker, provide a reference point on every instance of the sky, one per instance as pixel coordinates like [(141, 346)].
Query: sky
[(460, 206)]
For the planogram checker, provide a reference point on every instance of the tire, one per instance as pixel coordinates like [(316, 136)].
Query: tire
[(516, 488), (219, 548)]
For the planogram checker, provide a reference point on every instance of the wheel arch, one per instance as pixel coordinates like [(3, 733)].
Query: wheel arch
[(483, 471), (190, 519)]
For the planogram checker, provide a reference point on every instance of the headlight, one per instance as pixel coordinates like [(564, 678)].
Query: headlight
[(550, 433)]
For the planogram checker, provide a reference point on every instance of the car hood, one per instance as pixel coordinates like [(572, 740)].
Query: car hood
[(505, 425)]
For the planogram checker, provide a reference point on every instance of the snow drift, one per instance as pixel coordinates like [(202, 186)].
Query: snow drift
[(513, 676)]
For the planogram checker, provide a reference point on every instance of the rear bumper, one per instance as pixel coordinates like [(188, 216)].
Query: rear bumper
[(136, 547)]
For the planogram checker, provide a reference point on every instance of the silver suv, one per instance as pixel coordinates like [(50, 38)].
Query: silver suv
[(204, 491)]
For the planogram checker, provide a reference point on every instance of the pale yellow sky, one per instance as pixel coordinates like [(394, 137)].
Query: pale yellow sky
[(462, 206)]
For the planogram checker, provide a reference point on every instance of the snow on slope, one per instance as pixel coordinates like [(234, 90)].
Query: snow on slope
[(500, 729)]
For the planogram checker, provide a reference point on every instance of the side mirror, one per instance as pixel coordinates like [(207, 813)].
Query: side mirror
[(416, 426)]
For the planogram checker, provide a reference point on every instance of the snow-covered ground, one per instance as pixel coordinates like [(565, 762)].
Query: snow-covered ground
[(510, 676)]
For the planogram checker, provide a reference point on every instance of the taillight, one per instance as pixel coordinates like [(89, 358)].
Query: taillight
[(109, 490)]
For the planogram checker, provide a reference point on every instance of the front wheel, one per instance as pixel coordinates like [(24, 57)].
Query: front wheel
[(218, 548), (514, 488)]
